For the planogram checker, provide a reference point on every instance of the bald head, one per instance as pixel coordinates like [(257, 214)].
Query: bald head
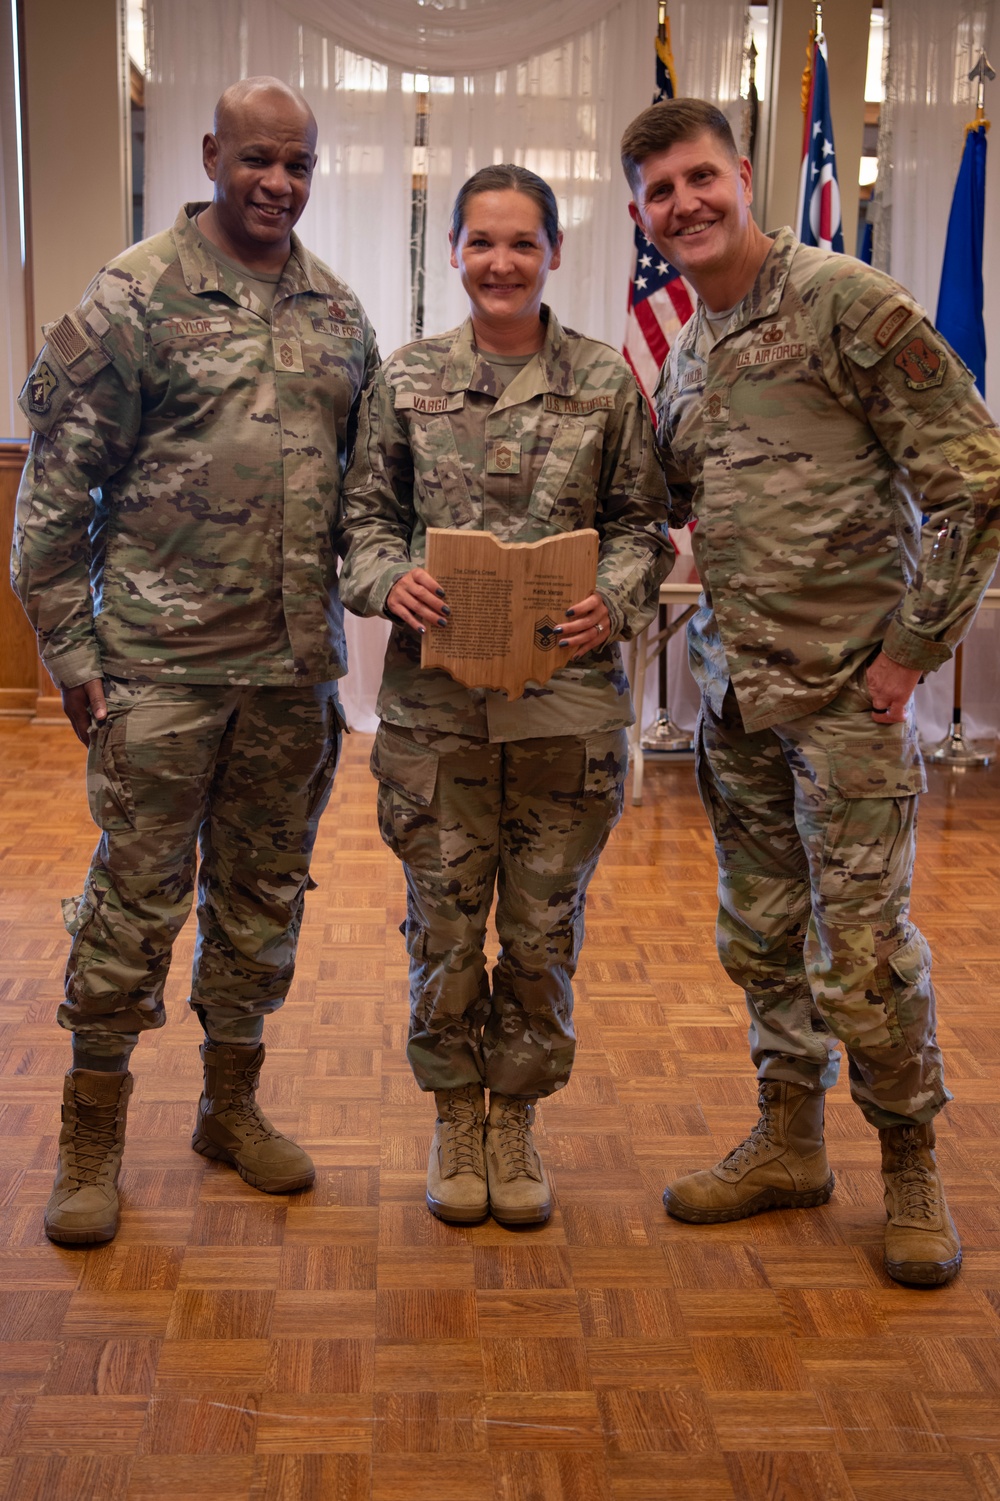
[(260, 157), (245, 99)]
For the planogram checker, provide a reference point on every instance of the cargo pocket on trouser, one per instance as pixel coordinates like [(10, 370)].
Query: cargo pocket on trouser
[(109, 790), (407, 776), (558, 814), (763, 888), (904, 971), (449, 991), (322, 782), (861, 898), (605, 769)]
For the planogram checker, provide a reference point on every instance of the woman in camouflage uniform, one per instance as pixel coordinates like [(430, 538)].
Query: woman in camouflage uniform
[(513, 425)]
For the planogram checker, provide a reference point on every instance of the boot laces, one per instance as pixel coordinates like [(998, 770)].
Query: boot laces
[(515, 1144), (914, 1182), (761, 1136), (94, 1139), (243, 1105), (464, 1136)]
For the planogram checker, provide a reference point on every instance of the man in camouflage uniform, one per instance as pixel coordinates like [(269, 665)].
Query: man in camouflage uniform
[(476, 790), (807, 416), (176, 552)]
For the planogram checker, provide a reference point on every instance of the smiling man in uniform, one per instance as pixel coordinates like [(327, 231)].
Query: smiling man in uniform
[(176, 553), (843, 474)]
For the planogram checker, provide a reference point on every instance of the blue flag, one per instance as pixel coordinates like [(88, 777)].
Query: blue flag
[(819, 221), (960, 302)]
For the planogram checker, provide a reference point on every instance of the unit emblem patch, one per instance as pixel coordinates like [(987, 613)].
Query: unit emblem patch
[(41, 384), (922, 366)]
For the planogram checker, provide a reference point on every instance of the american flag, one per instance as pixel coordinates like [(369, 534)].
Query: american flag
[(659, 302), (819, 221)]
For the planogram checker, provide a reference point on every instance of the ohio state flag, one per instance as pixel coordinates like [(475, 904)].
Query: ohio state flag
[(819, 220)]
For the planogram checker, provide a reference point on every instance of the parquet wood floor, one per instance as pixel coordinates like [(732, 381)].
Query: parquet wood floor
[(341, 1344)]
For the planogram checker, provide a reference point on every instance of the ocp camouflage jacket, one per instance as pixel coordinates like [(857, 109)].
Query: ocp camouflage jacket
[(566, 445), (216, 435), (844, 475)]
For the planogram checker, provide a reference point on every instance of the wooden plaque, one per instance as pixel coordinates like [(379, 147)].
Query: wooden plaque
[(506, 599)]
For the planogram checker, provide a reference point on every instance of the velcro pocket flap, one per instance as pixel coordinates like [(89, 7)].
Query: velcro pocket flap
[(607, 763), (885, 327), (400, 763), (909, 961), (879, 768)]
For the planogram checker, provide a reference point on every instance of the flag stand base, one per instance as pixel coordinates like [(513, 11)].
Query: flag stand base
[(958, 753), (666, 737)]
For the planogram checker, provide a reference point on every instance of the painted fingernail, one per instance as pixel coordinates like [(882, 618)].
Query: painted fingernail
[(569, 614), (442, 621), (440, 593), (446, 609)]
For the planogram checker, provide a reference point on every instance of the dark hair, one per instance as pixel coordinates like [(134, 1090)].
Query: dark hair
[(666, 124), (499, 179)]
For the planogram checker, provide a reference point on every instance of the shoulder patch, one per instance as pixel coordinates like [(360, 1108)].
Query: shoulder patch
[(68, 340), (890, 325), (923, 365), (38, 388), (71, 349)]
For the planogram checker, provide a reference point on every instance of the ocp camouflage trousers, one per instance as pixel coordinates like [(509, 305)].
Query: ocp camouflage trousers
[(530, 818), (243, 772), (814, 823)]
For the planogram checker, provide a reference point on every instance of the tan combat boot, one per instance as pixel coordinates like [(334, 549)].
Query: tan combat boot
[(921, 1242), (456, 1168), (781, 1165), (83, 1207), (231, 1128), (519, 1188)]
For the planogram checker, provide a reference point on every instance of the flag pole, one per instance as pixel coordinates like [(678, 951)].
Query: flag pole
[(955, 751), (418, 204)]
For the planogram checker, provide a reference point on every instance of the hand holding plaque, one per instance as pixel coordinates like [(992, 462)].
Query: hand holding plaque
[(506, 599)]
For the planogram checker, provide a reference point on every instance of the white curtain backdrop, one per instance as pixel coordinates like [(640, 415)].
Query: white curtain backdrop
[(929, 101), (559, 109)]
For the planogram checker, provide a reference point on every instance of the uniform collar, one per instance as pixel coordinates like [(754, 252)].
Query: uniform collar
[(550, 370), (203, 273), (764, 298)]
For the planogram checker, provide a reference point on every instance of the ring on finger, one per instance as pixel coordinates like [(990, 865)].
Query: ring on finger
[(600, 630)]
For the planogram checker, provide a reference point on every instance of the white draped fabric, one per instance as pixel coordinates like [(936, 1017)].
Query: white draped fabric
[(929, 101), (539, 82), (458, 37)]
